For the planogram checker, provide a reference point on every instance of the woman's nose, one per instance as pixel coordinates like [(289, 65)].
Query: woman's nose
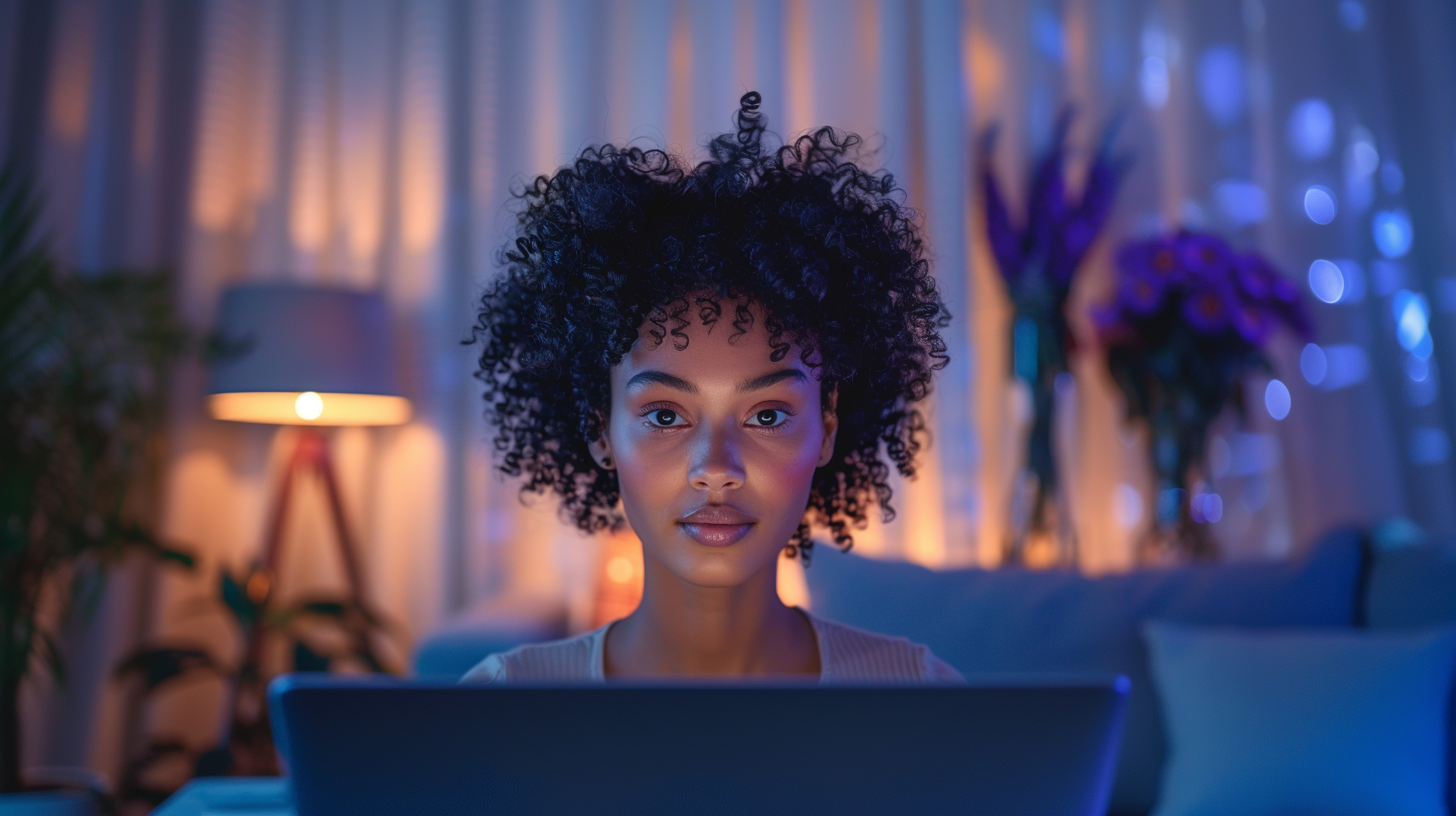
[(716, 465)]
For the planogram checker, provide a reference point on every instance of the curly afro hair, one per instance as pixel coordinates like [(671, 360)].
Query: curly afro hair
[(625, 238)]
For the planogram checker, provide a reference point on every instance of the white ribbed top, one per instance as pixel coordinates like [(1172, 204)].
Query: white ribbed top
[(846, 655)]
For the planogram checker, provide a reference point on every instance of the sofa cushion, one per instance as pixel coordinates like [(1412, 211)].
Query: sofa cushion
[(1015, 620), (1411, 588), (1303, 721), (454, 648)]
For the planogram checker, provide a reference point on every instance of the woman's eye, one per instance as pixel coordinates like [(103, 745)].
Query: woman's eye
[(662, 418), (770, 418)]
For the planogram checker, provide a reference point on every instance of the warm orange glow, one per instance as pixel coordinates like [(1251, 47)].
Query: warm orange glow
[(680, 82), (793, 588), (620, 569), (70, 91), (619, 582), (294, 408), (987, 69), (799, 84)]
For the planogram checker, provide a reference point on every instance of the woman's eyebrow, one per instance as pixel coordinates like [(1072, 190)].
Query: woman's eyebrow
[(771, 379), (662, 378)]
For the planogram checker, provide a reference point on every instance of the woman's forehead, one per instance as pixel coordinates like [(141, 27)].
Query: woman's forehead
[(691, 348)]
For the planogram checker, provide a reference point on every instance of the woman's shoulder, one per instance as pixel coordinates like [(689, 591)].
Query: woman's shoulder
[(568, 659), (850, 654)]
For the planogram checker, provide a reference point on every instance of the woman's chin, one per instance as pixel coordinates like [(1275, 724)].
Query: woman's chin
[(719, 567)]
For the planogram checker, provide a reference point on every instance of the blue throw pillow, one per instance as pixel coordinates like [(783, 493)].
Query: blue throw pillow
[(1415, 588), (1320, 723), (1013, 621)]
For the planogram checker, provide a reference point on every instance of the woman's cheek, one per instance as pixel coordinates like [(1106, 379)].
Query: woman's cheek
[(791, 468), (648, 472)]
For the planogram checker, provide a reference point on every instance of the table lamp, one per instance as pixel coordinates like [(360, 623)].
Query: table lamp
[(305, 356)]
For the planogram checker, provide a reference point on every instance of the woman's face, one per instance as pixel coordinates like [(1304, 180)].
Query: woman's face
[(715, 447)]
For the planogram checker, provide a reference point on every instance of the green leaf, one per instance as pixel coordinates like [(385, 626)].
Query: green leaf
[(159, 665), (237, 601), (139, 536), (330, 609), (307, 660)]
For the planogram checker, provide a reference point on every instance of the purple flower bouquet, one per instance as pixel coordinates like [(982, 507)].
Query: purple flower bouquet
[(1038, 261), (1189, 322)]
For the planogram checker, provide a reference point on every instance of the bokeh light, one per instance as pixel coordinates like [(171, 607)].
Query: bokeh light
[(1346, 364), (1242, 202), (1392, 231), (1276, 399), (1319, 204), (1417, 369), (1314, 364), (1311, 129), (1354, 277), (1326, 281), (1206, 507), (1221, 83), (1412, 321), (1127, 505), (1361, 157), (1352, 14), (1153, 82)]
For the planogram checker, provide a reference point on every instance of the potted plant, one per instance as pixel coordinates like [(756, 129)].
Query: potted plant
[(1189, 323), (83, 365), (320, 633)]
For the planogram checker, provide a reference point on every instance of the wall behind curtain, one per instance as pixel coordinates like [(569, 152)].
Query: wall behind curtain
[(373, 143)]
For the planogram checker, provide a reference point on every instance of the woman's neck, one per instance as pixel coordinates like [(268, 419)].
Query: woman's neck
[(681, 629)]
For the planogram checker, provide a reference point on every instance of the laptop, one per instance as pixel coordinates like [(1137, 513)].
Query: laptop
[(371, 745)]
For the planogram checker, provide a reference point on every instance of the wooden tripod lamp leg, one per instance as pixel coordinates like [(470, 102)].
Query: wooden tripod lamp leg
[(323, 463)]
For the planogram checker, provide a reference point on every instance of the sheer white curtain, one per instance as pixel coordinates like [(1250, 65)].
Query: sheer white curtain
[(372, 143)]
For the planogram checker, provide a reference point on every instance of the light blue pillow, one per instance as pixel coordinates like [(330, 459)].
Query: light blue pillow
[(1319, 723)]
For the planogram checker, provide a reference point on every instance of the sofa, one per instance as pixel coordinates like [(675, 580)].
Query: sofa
[(1014, 621)]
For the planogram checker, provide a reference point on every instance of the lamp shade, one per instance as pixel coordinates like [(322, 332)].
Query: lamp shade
[(305, 355)]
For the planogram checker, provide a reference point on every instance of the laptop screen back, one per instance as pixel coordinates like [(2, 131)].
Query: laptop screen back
[(387, 747)]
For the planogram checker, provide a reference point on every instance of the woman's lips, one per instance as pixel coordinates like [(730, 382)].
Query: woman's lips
[(717, 525), (717, 535)]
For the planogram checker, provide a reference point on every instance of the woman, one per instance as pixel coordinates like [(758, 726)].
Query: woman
[(729, 352)]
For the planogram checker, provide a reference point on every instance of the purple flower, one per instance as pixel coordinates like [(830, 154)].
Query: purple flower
[(1048, 195), (1007, 243), (1252, 321), (1059, 229), (1141, 292), (1254, 277), (1157, 259), (1283, 290), (1205, 256), (1207, 307)]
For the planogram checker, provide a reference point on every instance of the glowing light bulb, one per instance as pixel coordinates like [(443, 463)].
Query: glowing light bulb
[(309, 405)]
